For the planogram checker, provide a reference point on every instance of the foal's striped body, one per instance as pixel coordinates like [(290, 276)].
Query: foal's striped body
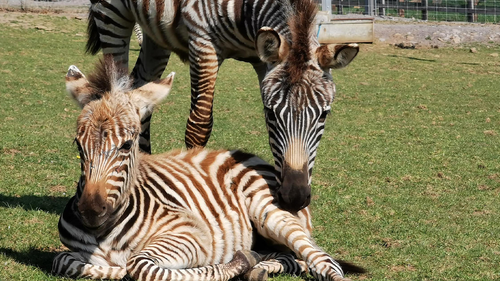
[(184, 215), (190, 211)]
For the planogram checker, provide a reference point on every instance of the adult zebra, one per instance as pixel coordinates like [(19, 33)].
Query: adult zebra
[(273, 35), (184, 215)]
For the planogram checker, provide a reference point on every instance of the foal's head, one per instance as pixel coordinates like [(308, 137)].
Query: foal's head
[(107, 134)]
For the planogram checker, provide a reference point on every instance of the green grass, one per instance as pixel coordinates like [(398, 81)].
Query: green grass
[(407, 178)]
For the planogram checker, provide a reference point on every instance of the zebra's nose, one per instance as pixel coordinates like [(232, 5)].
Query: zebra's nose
[(92, 205), (95, 207), (294, 193)]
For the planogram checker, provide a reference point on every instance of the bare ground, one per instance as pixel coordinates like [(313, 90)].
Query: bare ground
[(406, 33)]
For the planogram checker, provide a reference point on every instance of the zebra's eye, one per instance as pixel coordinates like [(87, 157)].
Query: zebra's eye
[(270, 116), (127, 145), (322, 118), (80, 149)]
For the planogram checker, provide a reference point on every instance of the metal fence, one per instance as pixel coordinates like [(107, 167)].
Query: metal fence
[(484, 11)]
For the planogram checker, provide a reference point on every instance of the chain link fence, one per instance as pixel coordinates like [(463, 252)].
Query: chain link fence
[(483, 11)]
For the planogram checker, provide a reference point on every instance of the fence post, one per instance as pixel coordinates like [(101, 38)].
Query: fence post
[(470, 11), (381, 10), (326, 5), (370, 7), (425, 15)]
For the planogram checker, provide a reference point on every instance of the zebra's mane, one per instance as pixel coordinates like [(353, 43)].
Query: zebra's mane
[(301, 23), (107, 77)]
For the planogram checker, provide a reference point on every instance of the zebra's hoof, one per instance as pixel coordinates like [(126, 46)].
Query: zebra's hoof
[(248, 258), (256, 274)]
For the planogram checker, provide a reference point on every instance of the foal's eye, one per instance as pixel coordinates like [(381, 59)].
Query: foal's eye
[(322, 118), (80, 149), (127, 145)]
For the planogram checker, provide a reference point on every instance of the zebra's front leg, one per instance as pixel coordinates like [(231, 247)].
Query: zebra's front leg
[(289, 230), (72, 264), (149, 67), (171, 259), (204, 66)]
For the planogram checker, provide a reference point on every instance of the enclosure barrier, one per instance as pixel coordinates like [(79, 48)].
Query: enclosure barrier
[(442, 10)]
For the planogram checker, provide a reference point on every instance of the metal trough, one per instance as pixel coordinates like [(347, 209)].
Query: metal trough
[(345, 30)]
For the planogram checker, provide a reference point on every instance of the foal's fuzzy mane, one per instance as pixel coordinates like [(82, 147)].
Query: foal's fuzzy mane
[(108, 77), (301, 23)]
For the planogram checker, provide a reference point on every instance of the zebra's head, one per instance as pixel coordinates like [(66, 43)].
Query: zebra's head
[(107, 135), (297, 91)]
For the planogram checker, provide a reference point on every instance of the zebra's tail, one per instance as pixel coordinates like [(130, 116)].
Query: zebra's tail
[(93, 41)]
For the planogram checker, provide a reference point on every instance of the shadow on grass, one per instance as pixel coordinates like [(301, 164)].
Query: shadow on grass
[(469, 63), (412, 58), (50, 204), (32, 257)]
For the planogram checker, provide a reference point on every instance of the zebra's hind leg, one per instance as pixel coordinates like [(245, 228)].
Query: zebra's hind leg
[(144, 267), (71, 264), (276, 263), (149, 67)]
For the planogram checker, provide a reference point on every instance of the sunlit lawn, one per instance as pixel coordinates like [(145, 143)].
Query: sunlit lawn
[(407, 177)]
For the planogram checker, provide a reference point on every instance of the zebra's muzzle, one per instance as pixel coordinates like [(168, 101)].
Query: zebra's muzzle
[(294, 193), (93, 207)]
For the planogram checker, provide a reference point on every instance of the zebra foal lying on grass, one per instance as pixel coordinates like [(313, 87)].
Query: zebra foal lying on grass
[(183, 215)]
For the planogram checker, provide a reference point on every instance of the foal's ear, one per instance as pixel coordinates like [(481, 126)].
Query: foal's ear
[(151, 94), (336, 56), (78, 86), (271, 47)]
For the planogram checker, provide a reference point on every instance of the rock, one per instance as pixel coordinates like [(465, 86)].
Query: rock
[(405, 45), (473, 50), (441, 39), (494, 54), (455, 39), (41, 27)]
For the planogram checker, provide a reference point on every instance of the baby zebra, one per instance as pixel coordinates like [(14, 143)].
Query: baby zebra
[(183, 215)]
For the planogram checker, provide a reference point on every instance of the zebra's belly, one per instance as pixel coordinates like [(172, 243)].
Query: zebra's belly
[(167, 36), (230, 233)]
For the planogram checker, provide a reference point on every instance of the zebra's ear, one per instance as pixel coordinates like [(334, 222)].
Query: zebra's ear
[(270, 46), (78, 86), (151, 94), (336, 56)]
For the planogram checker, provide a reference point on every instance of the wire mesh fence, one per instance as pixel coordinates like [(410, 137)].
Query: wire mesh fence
[(484, 11)]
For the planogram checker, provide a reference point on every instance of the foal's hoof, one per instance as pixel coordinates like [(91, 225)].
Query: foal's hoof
[(256, 274), (247, 259)]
